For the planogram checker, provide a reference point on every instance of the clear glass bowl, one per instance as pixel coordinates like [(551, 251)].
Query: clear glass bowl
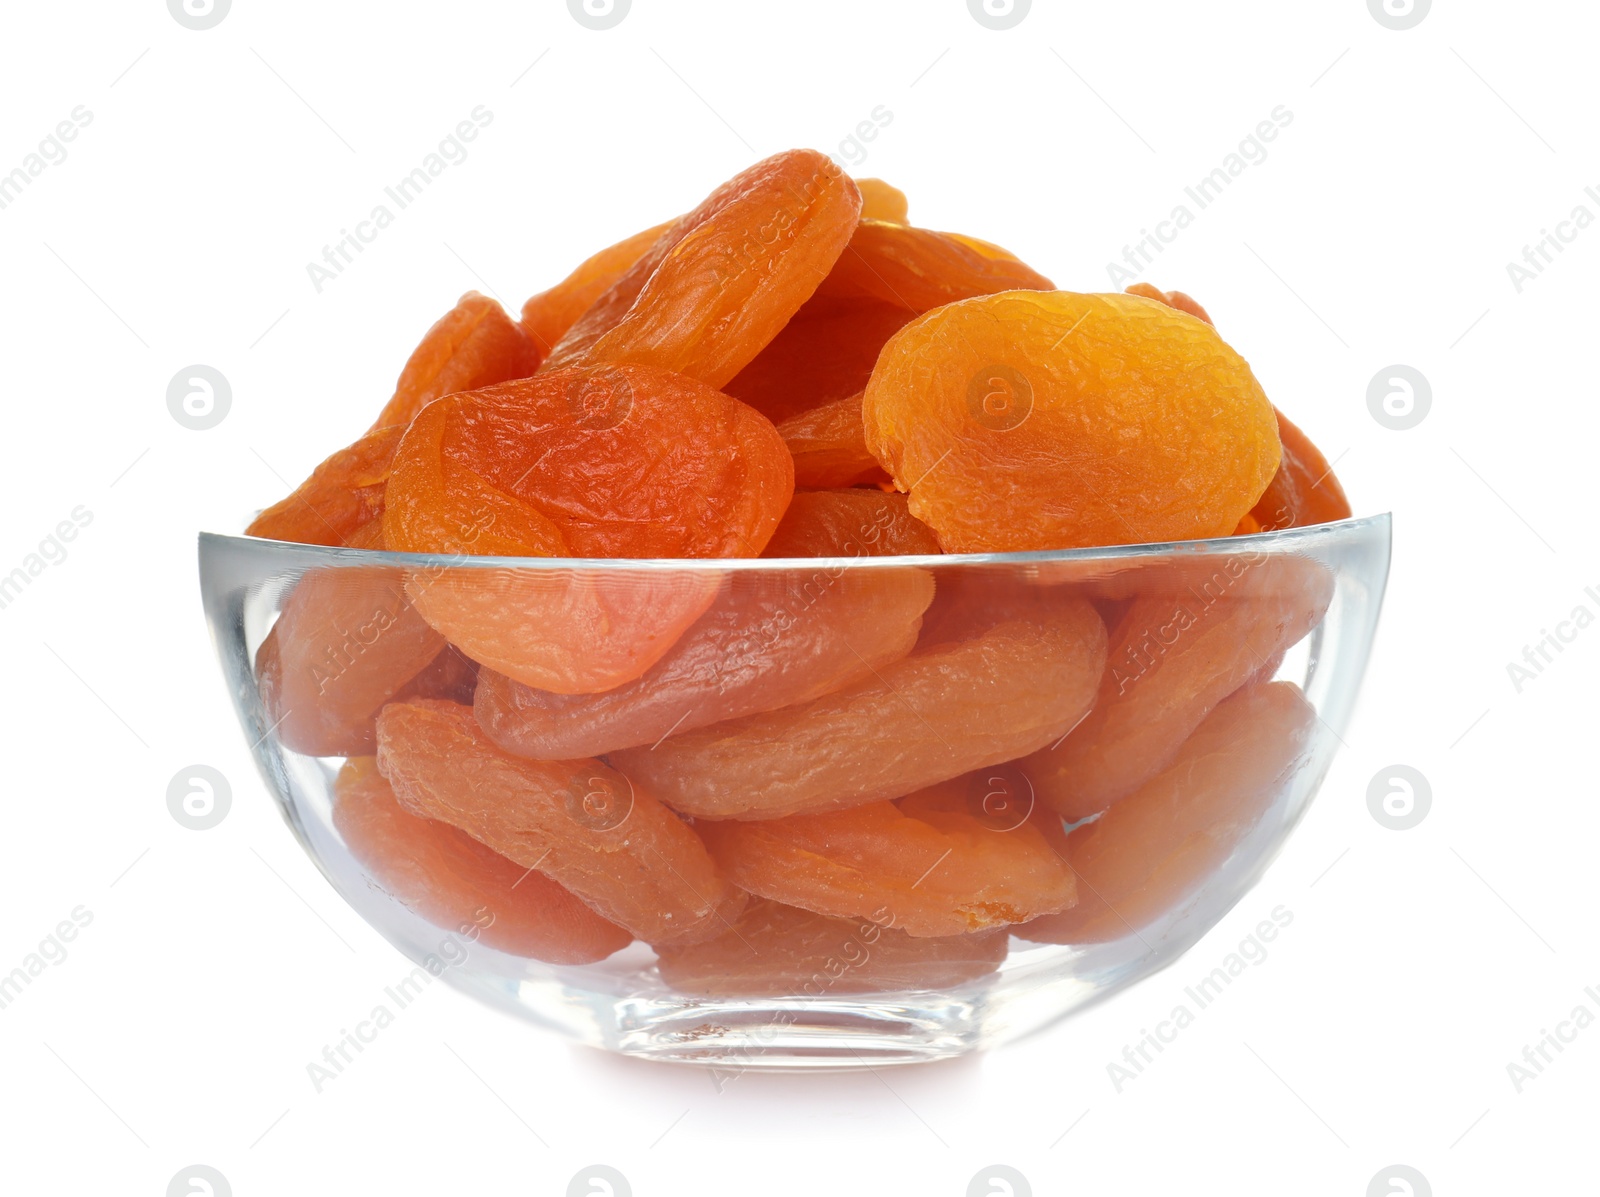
[(314, 641)]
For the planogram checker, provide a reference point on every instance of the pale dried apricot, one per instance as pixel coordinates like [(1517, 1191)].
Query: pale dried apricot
[(770, 641), (934, 715), (346, 642), (925, 865), (1152, 850), (578, 821), (775, 950), (1175, 655), (457, 884)]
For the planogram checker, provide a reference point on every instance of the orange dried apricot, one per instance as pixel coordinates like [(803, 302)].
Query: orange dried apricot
[(918, 269), (829, 446), (825, 353), (456, 883), (1303, 491), (588, 462), (547, 316), (770, 641), (578, 821), (1150, 851), (933, 715), (775, 950), (720, 283), (880, 201), (1045, 420), (345, 643), (850, 523), (1173, 299), (343, 495), (451, 675), (925, 865), (1174, 656), (473, 345)]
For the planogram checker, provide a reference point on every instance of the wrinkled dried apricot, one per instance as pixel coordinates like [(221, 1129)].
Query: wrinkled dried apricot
[(880, 201), (589, 462), (1150, 851), (850, 523), (775, 950), (770, 641), (721, 282), (456, 883), (1173, 299), (451, 675), (825, 353), (925, 865), (934, 715), (346, 642), (473, 345), (547, 316), (343, 495), (918, 269), (1303, 491), (1174, 656), (578, 821), (829, 446), (1046, 420)]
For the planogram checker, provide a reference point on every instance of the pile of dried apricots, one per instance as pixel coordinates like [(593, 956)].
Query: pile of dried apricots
[(797, 780)]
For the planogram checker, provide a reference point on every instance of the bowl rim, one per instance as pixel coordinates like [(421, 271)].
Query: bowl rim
[(1377, 528)]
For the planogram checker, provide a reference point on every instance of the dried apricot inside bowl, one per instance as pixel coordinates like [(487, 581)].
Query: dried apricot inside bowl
[(801, 636)]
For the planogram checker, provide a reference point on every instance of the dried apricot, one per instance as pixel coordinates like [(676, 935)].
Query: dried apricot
[(918, 269), (547, 316), (342, 496), (825, 353), (850, 523), (451, 675), (588, 462), (770, 641), (1173, 299), (346, 642), (1303, 491), (579, 821), (473, 345), (934, 715), (1175, 655), (721, 282), (1046, 420), (880, 201), (456, 883), (829, 446), (775, 950), (1149, 852), (925, 865)]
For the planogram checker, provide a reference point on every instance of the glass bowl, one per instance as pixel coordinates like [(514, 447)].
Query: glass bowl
[(784, 712)]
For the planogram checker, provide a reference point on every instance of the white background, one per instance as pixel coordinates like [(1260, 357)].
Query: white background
[(1377, 231)]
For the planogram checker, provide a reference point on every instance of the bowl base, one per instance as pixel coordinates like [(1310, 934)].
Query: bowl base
[(778, 1034)]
